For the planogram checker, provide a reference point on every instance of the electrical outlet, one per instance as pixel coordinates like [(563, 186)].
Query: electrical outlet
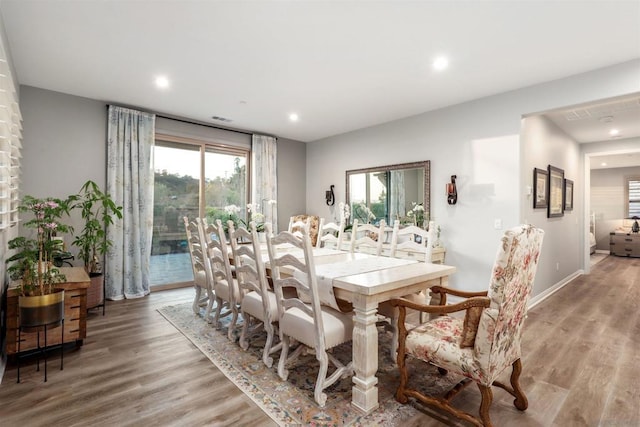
[(497, 224), (557, 266)]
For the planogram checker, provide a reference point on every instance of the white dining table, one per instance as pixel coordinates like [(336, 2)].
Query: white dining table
[(365, 290)]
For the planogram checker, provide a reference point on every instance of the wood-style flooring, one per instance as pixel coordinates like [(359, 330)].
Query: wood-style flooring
[(581, 367)]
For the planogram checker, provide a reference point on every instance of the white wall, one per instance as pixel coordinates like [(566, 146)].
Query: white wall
[(545, 145), (481, 142)]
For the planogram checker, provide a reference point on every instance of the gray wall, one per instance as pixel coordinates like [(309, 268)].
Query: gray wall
[(480, 142), (607, 201), (65, 145)]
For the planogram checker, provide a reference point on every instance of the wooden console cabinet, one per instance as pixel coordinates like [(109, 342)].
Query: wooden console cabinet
[(75, 313), (624, 244)]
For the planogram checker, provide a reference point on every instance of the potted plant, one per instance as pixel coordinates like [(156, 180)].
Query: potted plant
[(98, 210), (32, 261)]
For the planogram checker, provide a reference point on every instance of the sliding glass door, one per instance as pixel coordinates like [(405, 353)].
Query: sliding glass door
[(192, 180)]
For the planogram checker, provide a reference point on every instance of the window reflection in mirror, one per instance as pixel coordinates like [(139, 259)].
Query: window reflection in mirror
[(390, 192)]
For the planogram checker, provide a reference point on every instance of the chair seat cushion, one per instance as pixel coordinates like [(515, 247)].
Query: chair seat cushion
[(438, 342), (252, 304), (221, 289), (338, 327), (200, 279)]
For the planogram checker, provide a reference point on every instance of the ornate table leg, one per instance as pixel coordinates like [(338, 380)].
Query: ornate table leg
[(365, 355)]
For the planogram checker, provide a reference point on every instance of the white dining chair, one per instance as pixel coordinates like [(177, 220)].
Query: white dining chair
[(330, 234), (224, 285), (408, 242), (297, 224), (367, 237), (315, 327), (259, 307), (201, 280)]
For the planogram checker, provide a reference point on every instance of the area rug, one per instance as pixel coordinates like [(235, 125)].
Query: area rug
[(291, 402)]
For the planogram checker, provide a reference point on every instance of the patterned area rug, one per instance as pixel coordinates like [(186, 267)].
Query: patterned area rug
[(291, 402)]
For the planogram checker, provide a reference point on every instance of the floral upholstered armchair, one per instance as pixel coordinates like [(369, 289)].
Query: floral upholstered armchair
[(487, 341)]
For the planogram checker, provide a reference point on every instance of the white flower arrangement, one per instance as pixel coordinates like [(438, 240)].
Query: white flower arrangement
[(232, 209)]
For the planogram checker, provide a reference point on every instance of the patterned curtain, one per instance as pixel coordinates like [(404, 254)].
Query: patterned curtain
[(264, 177), (397, 209), (130, 139)]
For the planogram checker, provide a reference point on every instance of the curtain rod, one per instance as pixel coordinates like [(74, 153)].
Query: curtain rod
[(192, 122), (203, 124)]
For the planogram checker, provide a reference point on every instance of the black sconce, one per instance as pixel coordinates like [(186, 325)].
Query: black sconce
[(330, 197), (452, 191)]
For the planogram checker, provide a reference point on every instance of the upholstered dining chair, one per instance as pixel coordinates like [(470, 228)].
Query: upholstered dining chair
[(228, 296), (367, 237), (201, 280), (297, 223), (487, 341), (317, 328), (259, 301), (330, 234)]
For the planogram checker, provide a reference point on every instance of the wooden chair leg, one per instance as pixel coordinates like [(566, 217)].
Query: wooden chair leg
[(520, 401), (487, 398)]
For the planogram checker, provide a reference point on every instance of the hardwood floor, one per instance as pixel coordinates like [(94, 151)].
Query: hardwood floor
[(581, 365)]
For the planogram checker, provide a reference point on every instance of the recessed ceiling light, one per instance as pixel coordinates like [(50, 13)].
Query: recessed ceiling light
[(293, 117), (440, 63), (614, 132), (603, 164), (162, 82)]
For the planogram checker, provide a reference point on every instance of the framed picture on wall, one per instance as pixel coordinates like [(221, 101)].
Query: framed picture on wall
[(555, 192), (568, 195), (540, 178)]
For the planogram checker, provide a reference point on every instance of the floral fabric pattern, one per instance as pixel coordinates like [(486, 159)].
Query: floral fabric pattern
[(130, 141), (497, 342)]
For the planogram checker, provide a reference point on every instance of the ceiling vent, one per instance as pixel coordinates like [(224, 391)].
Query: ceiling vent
[(221, 119), (577, 115)]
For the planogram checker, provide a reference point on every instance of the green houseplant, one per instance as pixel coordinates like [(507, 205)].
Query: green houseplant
[(40, 302), (32, 260), (98, 211)]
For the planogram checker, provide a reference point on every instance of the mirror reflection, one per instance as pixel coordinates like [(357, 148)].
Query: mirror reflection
[(390, 192)]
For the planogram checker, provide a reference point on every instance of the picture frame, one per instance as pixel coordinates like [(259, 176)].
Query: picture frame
[(555, 192), (568, 195), (540, 180)]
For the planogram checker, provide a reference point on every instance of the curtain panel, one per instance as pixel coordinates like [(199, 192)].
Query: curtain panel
[(264, 177), (130, 140)]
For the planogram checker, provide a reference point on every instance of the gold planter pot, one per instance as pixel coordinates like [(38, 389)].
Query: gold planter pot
[(39, 310)]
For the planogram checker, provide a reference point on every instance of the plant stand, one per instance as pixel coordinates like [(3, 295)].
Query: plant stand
[(40, 312)]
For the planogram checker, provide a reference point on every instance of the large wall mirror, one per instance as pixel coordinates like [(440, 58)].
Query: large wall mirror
[(390, 192)]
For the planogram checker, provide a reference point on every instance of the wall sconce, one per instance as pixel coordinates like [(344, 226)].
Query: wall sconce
[(452, 191), (330, 197)]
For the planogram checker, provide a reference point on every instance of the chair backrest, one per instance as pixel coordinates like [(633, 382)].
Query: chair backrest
[(247, 258), (196, 251), (409, 241), (217, 252), (497, 343), (297, 223), (367, 237), (305, 282), (330, 234)]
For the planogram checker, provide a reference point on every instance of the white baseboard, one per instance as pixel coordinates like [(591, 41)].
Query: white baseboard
[(602, 251), (555, 288)]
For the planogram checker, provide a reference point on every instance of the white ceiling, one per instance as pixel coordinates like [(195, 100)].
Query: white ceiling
[(340, 65)]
